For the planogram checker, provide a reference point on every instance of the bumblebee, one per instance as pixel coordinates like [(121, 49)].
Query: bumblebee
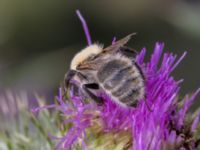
[(111, 70)]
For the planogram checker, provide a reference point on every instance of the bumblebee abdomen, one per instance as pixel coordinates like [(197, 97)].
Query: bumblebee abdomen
[(109, 68), (122, 80)]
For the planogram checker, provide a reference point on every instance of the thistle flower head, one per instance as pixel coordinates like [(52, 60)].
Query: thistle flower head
[(165, 126), (159, 122)]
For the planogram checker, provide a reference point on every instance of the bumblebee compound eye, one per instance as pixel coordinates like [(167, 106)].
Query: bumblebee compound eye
[(70, 74)]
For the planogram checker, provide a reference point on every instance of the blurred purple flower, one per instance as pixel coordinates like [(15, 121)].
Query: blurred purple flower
[(163, 127)]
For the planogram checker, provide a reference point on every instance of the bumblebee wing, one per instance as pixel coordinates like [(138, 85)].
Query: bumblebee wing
[(128, 52), (89, 65), (93, 64), (119, 43)]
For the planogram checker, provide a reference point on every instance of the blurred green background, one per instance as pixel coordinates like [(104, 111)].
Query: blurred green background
[(39, 38)]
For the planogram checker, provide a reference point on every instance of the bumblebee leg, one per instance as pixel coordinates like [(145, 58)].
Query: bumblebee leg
[(92, 86), (68, 76), (67, 85), (88, 87), (133, 104), (81, 76)]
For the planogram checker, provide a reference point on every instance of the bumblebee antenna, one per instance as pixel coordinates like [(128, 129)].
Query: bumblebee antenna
[(85, 27)]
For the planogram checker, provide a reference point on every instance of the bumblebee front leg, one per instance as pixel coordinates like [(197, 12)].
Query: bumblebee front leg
[(92, 86)]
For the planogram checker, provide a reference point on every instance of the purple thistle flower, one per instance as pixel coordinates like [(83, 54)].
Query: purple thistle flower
[(161, 128), (164, 126)]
